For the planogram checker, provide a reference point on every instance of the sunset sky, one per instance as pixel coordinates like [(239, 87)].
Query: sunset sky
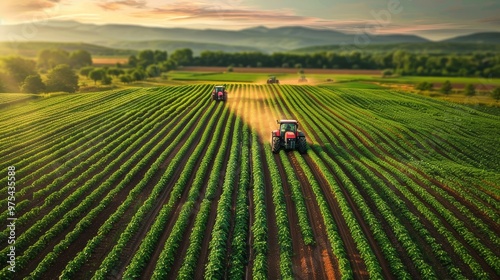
[(433, 19)]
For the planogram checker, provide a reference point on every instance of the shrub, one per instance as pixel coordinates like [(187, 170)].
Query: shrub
[(33, 84), (446, 87), (470, 90)]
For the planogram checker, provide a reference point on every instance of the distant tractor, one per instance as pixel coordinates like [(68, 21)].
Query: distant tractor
[(288, 137), (302, 79), (219, 93), (272, 80)]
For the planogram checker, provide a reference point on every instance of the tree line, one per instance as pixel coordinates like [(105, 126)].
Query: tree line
[(57, 70), (401, 62), (57, 66)]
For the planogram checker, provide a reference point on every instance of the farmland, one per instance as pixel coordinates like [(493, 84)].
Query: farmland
[(165, 183)]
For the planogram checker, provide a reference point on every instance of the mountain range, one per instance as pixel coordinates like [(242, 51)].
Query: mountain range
[(268, 40)]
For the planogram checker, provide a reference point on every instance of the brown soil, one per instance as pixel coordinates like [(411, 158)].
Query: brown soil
[(323, 257), (277, 70)]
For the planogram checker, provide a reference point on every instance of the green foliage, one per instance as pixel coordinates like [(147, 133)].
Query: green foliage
[(138, 74), (97, 74), (80, 58), (153, 71), (106, 80), (85, 71), (386, 73), (18, 68), (50, 58), (424, 86), (62, 78), (446, 87), (33, 84), (146, 58), (182, 57), (496, 93), (115, 71), (126, 79), (132, 61), (230, 68), (470, 90)]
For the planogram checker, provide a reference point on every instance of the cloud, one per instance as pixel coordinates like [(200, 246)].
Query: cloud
[(494, 20), (183, 13), (23, 6), (120, 4)]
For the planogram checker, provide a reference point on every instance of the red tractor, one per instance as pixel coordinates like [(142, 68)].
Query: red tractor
[(288, 137), (219, 93), (273, 80)]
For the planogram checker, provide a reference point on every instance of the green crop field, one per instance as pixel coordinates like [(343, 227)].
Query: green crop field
[(163, 183)]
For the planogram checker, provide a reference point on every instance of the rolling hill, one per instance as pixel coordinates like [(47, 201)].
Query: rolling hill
[(258, 38), (482, 38)]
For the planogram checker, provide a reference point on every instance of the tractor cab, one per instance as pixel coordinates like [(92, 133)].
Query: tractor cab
[(288, 127), (220, 88), (219, 93), (288, 137), (272, 80)]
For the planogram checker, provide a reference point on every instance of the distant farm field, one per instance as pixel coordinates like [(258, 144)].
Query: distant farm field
[(166, 183)]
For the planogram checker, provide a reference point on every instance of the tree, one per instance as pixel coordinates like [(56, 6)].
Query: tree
[(97, 75), (138, 75), (132, 61), (19, 68), (496, 94), (115, 71), (153, 71), (62, 78), (33, 84), (446, 87), (387, 73), (85, 71), (470, 90), (49, 58), (160, 56), (80, 58), (182, 56), (424, 86), (230, 68), (146, 58), (168, 65), (106, 80), (125, 79)]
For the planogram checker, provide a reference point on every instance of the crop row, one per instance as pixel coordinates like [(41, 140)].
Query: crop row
[(113, 257), (215, 267), (150, 241), (81, 208), (188, 267), (153, 147)]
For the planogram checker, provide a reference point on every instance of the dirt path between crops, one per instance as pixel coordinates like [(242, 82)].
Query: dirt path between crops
[(326, 265), (302, 260), (306, 264), (259, 119)]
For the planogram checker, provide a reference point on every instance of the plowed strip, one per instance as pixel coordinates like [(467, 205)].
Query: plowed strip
[(325, 266)]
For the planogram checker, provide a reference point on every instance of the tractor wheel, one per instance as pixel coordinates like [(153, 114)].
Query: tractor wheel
[(302, 145), (276, 145)]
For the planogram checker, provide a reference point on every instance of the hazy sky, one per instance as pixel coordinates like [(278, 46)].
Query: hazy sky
[(433, 19)]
